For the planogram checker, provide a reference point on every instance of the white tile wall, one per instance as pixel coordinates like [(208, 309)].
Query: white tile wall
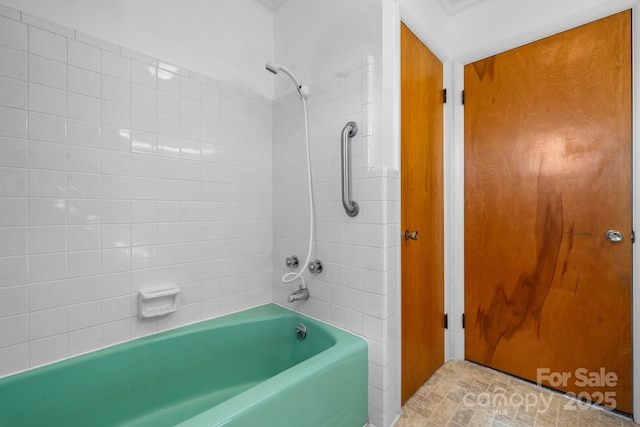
[(119, 172), (358, 289)]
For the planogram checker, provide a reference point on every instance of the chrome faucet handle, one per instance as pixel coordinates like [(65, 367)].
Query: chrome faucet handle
[(292, 262), (315, 267)]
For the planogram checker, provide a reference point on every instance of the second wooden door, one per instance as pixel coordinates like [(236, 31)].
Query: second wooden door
[(422, 212), (547, 175)]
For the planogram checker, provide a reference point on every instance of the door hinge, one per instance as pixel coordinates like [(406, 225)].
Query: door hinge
[(633, 236), (444, 96), (446, 321), (462, 320), (463, 97)]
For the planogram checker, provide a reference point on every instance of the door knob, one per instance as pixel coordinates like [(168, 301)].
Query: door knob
[(613, 236), (413, 235)]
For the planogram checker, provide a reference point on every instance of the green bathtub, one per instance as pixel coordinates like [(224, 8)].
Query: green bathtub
[(244, 369)]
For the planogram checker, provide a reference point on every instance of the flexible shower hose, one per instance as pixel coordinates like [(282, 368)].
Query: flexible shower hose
[(290, 277)]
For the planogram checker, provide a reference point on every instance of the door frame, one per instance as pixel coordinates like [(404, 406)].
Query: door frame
[(454, 179)]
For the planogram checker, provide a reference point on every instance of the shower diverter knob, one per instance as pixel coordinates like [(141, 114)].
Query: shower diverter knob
[(292, 262), (315, 267)]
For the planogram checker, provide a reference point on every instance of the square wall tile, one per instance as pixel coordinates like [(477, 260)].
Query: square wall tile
[(13, 93), (115, 65), (83, 237), (85, 315), (143, 74), (14, 300), (14, 330), (47, 295), (85, 340), (47, 211), (47, 267), (84, 160), (13, 152), (84, 289), (13, 63), (14, 122), (13, 272), (84, 185), (85, 82), (47, 350), (83, 133), (13, 241), (83, 55), (47, 239), (47, 72), (14, 358), (45, 99), (84, 211), (47, 127), (13, 34), (13, 182), (84, 263), (44, 155), (83, 107)]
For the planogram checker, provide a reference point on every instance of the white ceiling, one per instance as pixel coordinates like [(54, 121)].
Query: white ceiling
[(451, 7), (271, 4), (455, 6)]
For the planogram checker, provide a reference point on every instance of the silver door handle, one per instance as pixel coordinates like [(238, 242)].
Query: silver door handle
[(413, 235), (613, 236)]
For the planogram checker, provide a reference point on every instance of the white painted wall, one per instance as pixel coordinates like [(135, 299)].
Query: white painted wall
[(430, 23), (315, 39), (497, 25), (229, 40)]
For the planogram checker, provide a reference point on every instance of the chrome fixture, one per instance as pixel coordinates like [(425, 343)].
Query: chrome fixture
[(613, 236), (301, 331), (275, 68), (315, 267), (413, 235), (303, 90), (348, 131), (302, 294), (292, 262)]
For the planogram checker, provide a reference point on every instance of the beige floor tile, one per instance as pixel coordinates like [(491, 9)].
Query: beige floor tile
[(463, 394)]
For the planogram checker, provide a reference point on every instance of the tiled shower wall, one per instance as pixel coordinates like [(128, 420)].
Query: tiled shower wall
[(358, 289), (118, 173)]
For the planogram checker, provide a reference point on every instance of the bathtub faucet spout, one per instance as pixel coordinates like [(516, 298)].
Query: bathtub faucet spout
[(301, 294)]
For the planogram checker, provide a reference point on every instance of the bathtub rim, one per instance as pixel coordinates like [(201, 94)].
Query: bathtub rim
[(178, 330), (343, 344), (336, 353)]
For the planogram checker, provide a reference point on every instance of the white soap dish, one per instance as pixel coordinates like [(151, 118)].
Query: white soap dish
[(157, 302)]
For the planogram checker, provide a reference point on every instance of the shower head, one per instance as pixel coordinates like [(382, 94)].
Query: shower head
[(275, 68), (271, 67)]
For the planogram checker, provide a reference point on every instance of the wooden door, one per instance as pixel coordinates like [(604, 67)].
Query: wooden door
[(547, 173), (422, 211)]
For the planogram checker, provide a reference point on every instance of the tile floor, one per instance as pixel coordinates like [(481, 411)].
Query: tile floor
[(465, 394)]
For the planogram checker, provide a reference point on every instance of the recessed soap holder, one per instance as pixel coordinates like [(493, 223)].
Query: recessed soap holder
[(157, 302)]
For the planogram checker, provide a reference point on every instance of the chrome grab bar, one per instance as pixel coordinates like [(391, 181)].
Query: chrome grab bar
[(348, 131)]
